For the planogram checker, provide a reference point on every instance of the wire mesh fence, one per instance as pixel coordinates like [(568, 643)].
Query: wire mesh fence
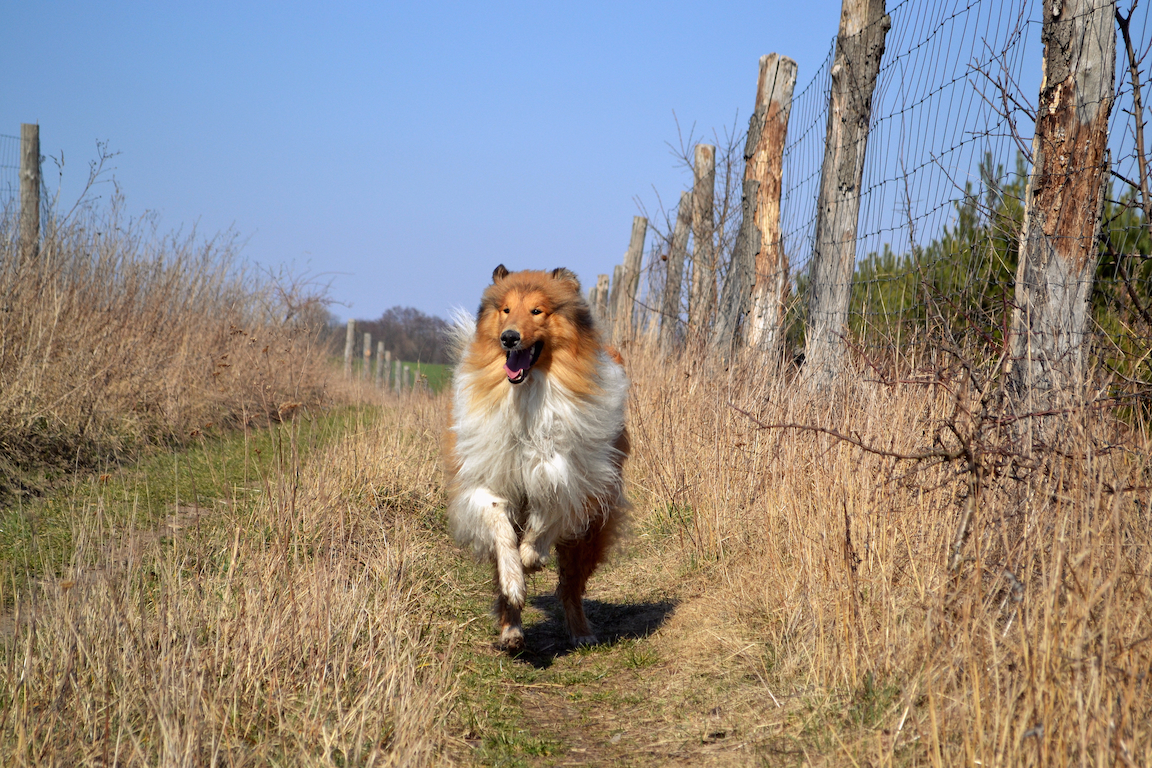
[(945, 176), (9, 171)]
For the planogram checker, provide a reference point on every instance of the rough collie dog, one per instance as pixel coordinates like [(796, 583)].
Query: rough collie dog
[(535, 452)]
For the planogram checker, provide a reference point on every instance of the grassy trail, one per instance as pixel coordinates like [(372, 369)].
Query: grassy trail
[(667, 685), (291, 597), (670, 683)]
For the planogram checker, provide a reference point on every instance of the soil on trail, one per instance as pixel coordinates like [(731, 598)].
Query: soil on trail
[(666, 685)]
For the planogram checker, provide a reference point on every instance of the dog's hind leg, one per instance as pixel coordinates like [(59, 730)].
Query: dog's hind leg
[(576, 559)]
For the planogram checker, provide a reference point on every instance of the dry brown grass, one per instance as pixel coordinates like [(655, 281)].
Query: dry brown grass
[(284, 630), (117, 336), (834, 562), (786, 596)]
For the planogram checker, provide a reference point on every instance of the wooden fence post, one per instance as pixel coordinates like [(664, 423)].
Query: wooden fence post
[(397, 376), (349, 344), (387, 369), (1058, 242), (379, 364), (670, 302), (702, 301), (625, 309), (760, 207), (366, 371), (765, 327), (741, 274), (614, 296), (29, 190), (407, 377), (600, 305), (855, 67)]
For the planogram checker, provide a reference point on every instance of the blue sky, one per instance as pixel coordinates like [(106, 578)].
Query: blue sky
[(403, 150)]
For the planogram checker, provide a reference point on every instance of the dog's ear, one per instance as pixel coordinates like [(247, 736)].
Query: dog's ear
[(499, 273), (562, 274)]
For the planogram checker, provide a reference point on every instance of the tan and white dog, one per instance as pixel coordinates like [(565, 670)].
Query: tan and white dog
[(534, 456)]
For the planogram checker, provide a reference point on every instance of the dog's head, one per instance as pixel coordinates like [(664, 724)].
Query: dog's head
[(530, 315)]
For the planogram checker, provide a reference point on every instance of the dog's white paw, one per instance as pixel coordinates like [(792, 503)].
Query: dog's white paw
[(532, 558), (511, 639)]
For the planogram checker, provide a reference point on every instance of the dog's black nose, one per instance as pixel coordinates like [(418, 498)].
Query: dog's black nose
[(509, 339)]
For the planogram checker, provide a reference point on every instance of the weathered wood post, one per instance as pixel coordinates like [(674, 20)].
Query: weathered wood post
[(379, 364), (855, 66), (600, 306), (702, 301), (366, 371), (614, 294), (670, 302), (765, 327), (349, 344), (760, 208), (625, 309), (29, 190), (387, 368), (407, 377), (1058, 242)]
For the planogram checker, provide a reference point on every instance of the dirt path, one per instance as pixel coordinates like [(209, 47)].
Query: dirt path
[(667, 685)]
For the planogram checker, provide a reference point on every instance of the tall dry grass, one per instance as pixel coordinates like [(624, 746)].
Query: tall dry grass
[(836, 560), (117, 335), (284, 627)]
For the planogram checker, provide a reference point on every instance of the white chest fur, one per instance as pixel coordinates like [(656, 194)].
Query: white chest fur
[(541, 448)]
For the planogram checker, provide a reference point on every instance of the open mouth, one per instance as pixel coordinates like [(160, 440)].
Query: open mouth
[(520, 361)]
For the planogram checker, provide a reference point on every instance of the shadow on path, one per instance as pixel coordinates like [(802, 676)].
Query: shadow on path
[(612, 622)]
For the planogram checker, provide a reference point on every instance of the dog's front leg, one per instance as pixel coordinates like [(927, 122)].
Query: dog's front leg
[(510, 587), (537, 540), (498, 524)]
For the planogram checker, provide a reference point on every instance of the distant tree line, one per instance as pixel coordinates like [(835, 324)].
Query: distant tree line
[(409, 334)]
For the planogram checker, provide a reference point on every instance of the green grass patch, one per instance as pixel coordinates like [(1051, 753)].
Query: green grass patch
[(232, 469), (437, 376)]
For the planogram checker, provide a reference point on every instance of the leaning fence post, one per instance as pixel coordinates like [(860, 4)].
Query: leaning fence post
[(625, 308), (1058, 243), (702, 301), (855, 67), (29, 190), (670, 304), (349, 344)]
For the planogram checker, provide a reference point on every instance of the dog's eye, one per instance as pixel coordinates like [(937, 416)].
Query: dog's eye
[(536, 311), (507, 310)]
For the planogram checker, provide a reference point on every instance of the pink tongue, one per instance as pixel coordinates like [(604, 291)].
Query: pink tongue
[(518, 361)]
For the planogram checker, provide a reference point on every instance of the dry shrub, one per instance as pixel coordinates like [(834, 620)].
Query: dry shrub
[(1034, 650), (285, 631), (116, 336)]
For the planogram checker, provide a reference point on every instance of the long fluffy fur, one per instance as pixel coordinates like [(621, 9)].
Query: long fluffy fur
[(539, 462)]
